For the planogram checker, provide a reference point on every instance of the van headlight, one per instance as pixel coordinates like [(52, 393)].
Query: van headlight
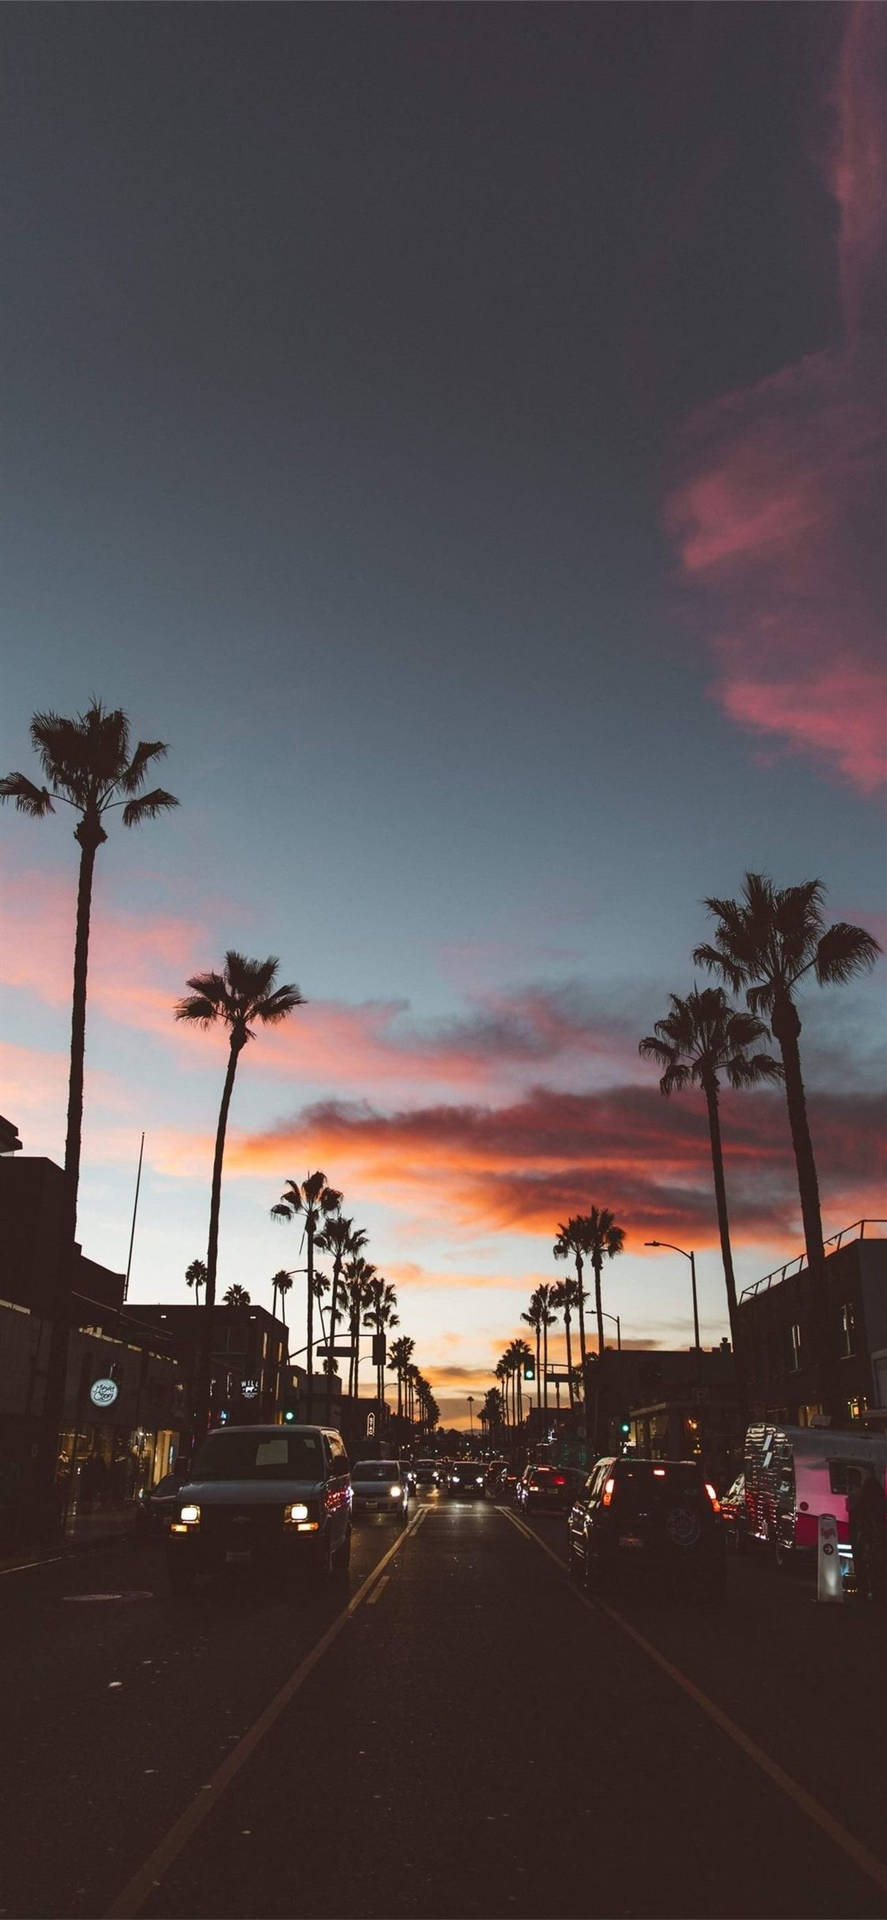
[(188, 1517), (293, 1514), (395, 1492)]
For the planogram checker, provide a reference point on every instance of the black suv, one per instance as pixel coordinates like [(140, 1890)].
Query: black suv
[(657, 1521), (277, 1498)]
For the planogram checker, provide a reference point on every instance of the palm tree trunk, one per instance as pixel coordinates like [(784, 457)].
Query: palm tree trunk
[(545, 1365), (599, 1406), (538, 1363), (334, 1310), (583, 1353), (203, 1359), (569, 1358), (309, 1228), (786, 1028), (720, 1185)]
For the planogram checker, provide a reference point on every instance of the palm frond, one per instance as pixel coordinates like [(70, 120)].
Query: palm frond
[(146, 751), (148, 807), (29, 799), (199, 1008), (844, 951), (277, 1006)]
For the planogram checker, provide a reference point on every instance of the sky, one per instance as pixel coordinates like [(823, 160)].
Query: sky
[(455, 432)]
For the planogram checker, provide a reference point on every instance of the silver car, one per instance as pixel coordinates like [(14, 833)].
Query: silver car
[(380, 1487)]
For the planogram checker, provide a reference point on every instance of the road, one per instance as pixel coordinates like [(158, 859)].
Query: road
[(458, 1732)]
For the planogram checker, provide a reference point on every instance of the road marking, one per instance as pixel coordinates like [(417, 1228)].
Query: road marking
[(868, 1863), (25, 1564), (379, 1590), (136, 1593), (130, 1900)]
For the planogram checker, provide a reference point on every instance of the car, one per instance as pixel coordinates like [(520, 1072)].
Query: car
[(466, 1481), (379, 1487), (408, 1475), (276, 1498), (545, 1488), (155, 1505), (654, 1522), (734, 1515), (426, 1473), (492, 1476)]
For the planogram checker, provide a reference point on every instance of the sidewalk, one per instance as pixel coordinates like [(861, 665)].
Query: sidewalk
[(81, 1531)]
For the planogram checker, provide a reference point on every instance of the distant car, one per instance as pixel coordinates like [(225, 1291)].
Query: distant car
[(545, 1488), (734, 1515), (379, 1487), (466, 1481), (493, 1474), (276, 1498), (155, 1505), (426, 1473), (408, 1474), (657, 1522)]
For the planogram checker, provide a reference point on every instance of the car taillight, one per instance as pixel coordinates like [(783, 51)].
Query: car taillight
[(557, 1480), (608, 1492), (712, 1496)]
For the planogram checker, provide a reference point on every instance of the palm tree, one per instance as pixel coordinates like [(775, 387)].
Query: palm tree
[(314, 1199), (603, 1239), (342, 1239), (89, 767), (400, 1354), (522, 1353), (564, 1297), (571, 1240), (492, 1412), (236, 1297), (699, 1039), (281, 1283), (358, 1274), (380, 1304), (501, 1371), (195, 1276), (533, 1318), (766, 943), (240, 998), (547, 1318)]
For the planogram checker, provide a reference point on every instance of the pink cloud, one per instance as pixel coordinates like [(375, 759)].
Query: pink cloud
[(778, 514)]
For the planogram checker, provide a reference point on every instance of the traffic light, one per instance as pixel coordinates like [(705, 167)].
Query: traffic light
[(289, 1416), (224, 1417), (529, 1368)]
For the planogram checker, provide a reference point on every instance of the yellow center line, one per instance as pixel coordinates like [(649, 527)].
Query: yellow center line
[(868, 1862), (133, 1896), (378, 1590)]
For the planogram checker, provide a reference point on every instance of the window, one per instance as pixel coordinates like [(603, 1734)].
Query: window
[(848, 1328)]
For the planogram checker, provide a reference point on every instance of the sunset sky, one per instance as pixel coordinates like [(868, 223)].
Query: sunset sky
[(454, 431)]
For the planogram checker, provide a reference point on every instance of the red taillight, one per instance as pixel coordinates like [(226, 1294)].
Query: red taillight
[(608, 1492), (712, 1496), (558, 1480)]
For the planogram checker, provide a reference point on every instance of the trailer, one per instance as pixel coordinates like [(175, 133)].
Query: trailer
[(793, 1474)]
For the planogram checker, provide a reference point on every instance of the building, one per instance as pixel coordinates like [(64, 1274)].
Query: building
[(778, 1324), (124, 1404), (248, 1357)]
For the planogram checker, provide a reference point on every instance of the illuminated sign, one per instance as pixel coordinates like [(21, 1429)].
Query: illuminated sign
[(103, 1393), (249, 1389)]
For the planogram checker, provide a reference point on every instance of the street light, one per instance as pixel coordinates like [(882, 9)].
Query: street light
[(470, 1398), (615, 1316), (692, 1260)]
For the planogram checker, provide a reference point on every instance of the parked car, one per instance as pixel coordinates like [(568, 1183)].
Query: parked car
[(278, 1498), (545, 1488), (466, 1481), (734, 1514), (378, 1487), (655, 1521), (155, 1505), (793, 1474)]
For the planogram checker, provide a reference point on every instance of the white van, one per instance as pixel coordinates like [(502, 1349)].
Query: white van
[(793, 1474)]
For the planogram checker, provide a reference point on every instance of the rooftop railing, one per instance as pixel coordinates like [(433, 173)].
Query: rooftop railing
[(857, 1231)]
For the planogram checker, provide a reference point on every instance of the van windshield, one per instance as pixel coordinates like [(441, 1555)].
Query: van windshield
[(375, 1470), (258, 1456)]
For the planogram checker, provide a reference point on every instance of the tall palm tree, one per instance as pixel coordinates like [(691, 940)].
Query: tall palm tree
[(766, 943), (699, 1039), (400, 1354), (564, 1297), (533, 1318), (603, 1240), (89, 767), (313, 1199), (358, 1274), (281, 1284), (571, 1241), (236, 1296), (341, 1238), (522, 1353), (195, 1276), (501, 1371), (240, 998), (380, 1313), (547, 1317)]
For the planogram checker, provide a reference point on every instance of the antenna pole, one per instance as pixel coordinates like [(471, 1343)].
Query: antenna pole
[(135, 1208)]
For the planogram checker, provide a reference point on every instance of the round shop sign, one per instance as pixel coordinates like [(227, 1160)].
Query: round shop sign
[(103, 1393)]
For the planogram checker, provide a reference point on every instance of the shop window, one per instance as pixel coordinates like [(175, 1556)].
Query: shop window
[(848, 1328)]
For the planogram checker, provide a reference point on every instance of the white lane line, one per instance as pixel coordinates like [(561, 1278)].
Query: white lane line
[(867, 1862), (25, 1564), (379, 1590), (133, 1896)]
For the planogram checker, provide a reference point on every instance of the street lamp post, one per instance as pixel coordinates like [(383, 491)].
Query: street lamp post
[(470, 1398), (615, 1316), (692, 1259)]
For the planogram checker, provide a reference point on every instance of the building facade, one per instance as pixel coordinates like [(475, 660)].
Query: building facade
[(777, 1322)]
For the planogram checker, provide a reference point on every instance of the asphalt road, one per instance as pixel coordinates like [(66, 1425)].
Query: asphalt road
[(458, 1732)]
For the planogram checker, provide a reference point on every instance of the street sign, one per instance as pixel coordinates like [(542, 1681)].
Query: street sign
[(338, 1353)]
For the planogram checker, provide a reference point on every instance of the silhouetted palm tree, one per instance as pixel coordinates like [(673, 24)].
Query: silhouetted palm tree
[(571, 1240), (766, 943), (698, 1040), (502, 1371), (547, 1318), (240, 998), (314, 1200), (195, 1276), (342, 1239), (89, 767), (380, 1314), (400, 1355), (236, 1297), (533, 1318), (564, 1297)]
